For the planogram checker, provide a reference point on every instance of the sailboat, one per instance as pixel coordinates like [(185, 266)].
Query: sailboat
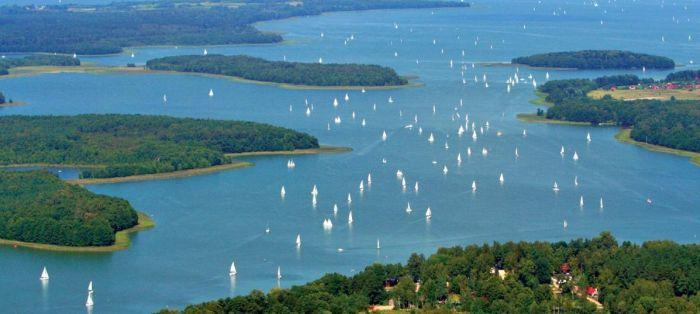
[(44, 274), (601, 202), (431, 138), (580, 202), (575, 180), (349, 199), (484, 152), (588, 137), (444, 170), (428, 214), (369, 179), (279, 272), (211, 93), (298, 241), (575, 158), (165, 98), (469, 151), (524, 133), (314, 190), (378, 246), (362, 185), (205, 52), (556, 187), (391, 100), (566, 224), (501, 179), (232, 271), (90, 286), (347, 97), (517, 155), (561, 152), (283, 192), (474, 137), (89, 302), (473, 186), (384, 136), (408, 208), (335, 209), (459, 159), (403, 183), (350, 220)]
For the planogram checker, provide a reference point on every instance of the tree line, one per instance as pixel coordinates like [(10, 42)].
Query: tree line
[(655, 277), (104, 29), (672, 123), (36, 60), (596, 60), (38, 207), (315, 74), (124, 145)]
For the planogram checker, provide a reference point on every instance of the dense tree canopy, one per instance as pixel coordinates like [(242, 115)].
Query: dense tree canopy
[(684, 76), (656, 277), (102, 29), (314, 74), (36, 60), (126, 145), (38, 207), (671, 123), (596, 59)]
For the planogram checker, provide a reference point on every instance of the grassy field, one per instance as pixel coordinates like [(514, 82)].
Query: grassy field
[(534, 118), (634, 94), (540, 100), (121, 242), (320, 150), (624, 136)]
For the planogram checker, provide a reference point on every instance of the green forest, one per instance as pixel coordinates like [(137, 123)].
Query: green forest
[(673, 123), (655, 277), (38, 207), (596, 60), (36, 60), (125, 145), (104, 29), (311, 74)]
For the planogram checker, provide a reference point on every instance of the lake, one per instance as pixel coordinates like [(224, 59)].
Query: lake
[(205, 222)]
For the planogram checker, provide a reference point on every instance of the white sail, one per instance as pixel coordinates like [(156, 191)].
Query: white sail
[(369, 179), (431, 138), (232, 271), (90, 286), (444, 170), (517, 155), (459, 158), (408, 208), (501, 179), (561, 152), (378, 246), (205, 52), (362, 185), (588, 137), (165, 98), (211, 93), (484, 151), (314, 191), (566, 224), (335, 209), (428, 213), (469, 151), (298, 240), (384, 136), (335, 102), (473, 186), (575, 180), (416, 187), (44, 274), (575, 158), (556, 187), (349, 199), (580, 202), (283, 192), (347, 97), (279, 272), (350, 220), (601, 203), (403, 183)]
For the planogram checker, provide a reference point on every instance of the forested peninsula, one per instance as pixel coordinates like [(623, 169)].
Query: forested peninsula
[(596, 60), (295, 73), (105, 29), (669, 123), (579, 276), (38, 207), (114, 145), (36, 60)]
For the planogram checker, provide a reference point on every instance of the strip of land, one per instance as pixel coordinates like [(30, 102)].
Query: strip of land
[(534, 118), (646, 94), (98, 69), (200, 171), (121, 242), (624, 136)]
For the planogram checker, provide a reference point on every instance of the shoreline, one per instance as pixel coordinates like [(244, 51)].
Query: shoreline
[(236, 164), (624, 136), (534, 118), (98, 69), (541, 100), (122, 240)]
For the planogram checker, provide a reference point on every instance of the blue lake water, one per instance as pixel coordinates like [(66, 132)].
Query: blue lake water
[(205, 222)]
